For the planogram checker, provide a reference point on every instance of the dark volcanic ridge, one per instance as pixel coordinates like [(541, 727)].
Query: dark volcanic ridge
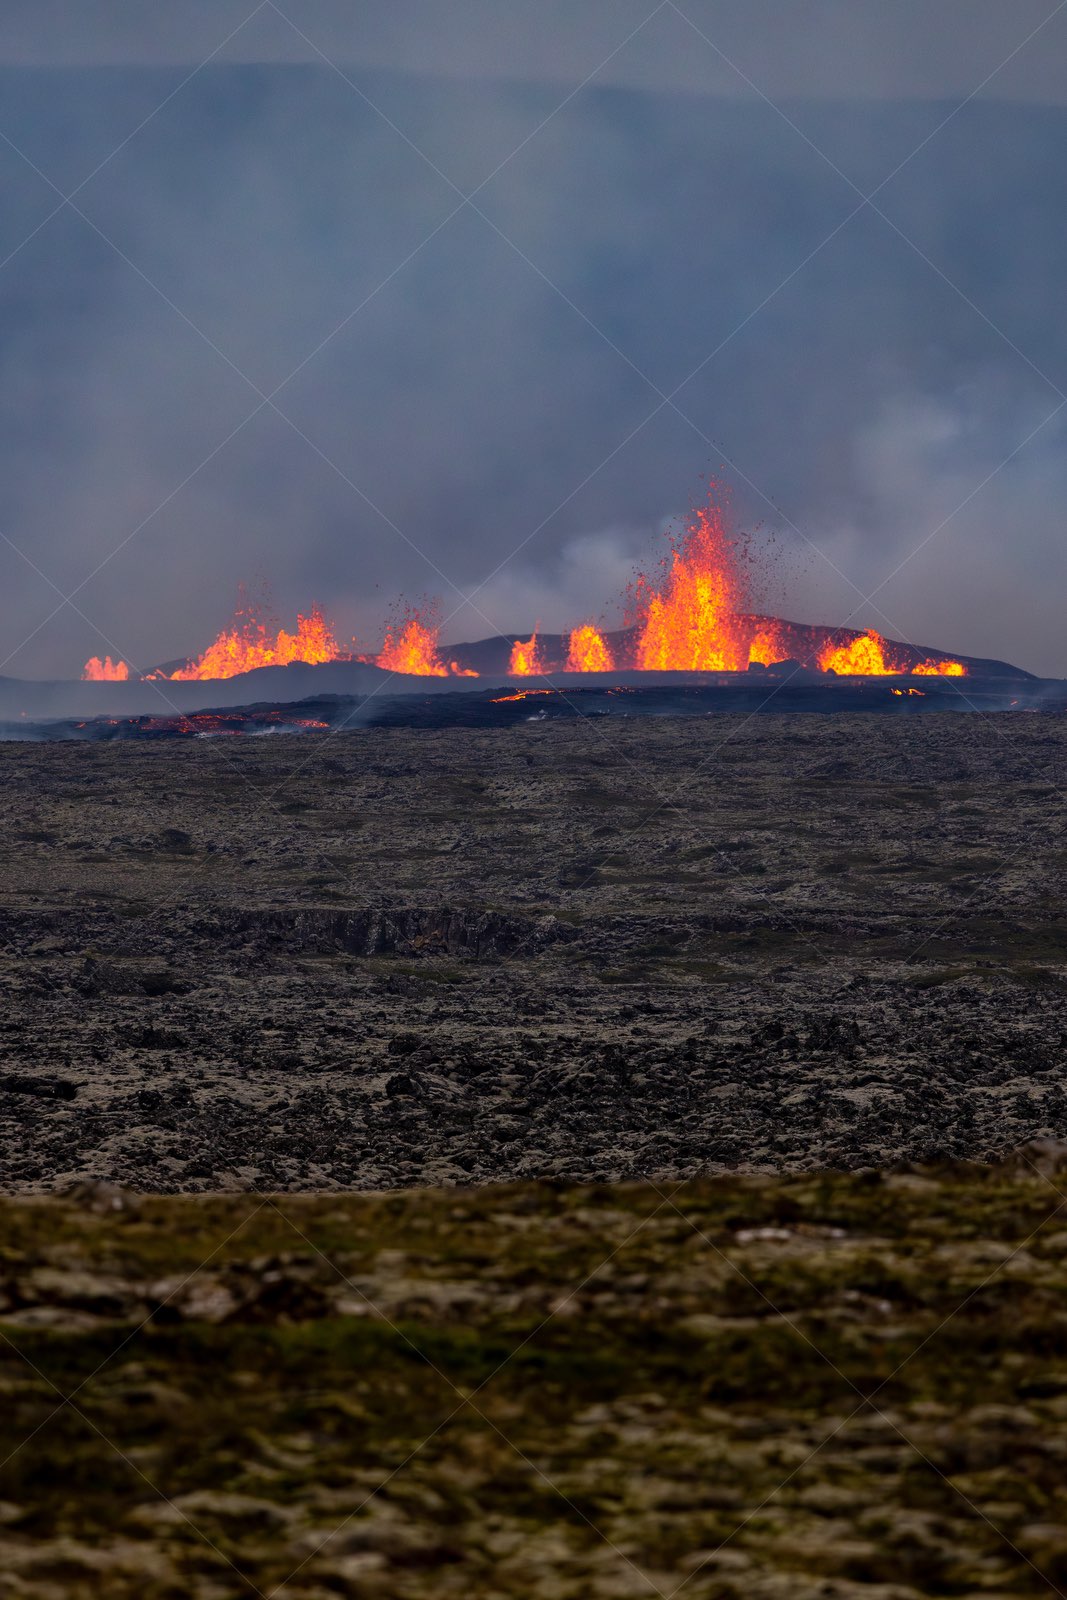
[(444, 703)]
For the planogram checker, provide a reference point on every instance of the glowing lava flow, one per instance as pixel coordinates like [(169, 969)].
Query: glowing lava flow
[(587, 651), (525, 659), (688, 621), (247, 644), (106, 671), (411, 647)]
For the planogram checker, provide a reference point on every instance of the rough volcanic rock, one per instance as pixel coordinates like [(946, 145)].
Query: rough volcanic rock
[(592, 949)]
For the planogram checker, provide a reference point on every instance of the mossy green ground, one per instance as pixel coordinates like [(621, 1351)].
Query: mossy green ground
[(822, 1386)]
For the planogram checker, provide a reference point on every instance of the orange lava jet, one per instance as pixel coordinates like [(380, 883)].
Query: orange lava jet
[(768, 646), (688, 622), (106, 671), (248, 644), (587, 651), (526, 659), (411, 647)]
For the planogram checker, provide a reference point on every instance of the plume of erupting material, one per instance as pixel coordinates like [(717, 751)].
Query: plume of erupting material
[(526, 659), (687, 621), (690, 615), (411, 647), (247, 644), (106, 671), (587, 651)]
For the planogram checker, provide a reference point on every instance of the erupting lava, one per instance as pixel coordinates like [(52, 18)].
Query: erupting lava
[(526, 659), (869, 655), (944, 669), (690, 615), (587, 651), (768, 646), (411, 647), (247, 644), (106, 671), (689, 622), (863, 655)]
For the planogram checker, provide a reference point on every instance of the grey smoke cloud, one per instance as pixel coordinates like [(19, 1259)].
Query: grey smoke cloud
[(478, 383)]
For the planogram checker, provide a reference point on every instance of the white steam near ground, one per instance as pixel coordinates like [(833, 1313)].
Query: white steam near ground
[(464, 386)]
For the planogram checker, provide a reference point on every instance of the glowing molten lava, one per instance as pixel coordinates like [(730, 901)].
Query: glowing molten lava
[(587, 651), (106, 671), (687, 622), (870, 655), (865, 655), (688, 615), (944, 669), (526, 659), (411, 647), (768, 646), (248, 644)]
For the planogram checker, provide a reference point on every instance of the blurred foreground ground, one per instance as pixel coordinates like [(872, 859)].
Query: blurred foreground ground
[(833, 1386)]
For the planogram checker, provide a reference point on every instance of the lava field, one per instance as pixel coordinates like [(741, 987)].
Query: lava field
[(571, 949)]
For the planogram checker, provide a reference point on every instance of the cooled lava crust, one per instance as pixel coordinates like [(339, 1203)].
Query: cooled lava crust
[(581, 949)]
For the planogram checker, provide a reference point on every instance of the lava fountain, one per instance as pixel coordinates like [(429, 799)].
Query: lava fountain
[(691, 614), (247, 643), (688, 620), (526, 660), (869, 655), (587, 651), (411, 647), (106, 671)]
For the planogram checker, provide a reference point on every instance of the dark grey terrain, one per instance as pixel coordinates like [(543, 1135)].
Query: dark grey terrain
[(584, 950)]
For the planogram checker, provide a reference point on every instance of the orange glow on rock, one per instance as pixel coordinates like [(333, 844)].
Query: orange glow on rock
[(106, 671), (587, 651)]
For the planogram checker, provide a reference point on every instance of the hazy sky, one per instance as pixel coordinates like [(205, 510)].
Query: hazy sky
[(267, 337)]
